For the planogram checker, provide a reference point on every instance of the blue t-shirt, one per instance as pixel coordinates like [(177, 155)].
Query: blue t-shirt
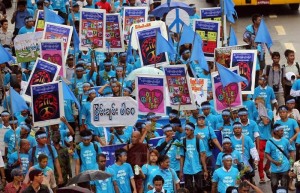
[(20, 17), (236, 156), (267, 93), (206, 134), (68, 110), (59, 5), (226, 130), (10, 138), (76, 17), (105, 186), (192, 162), (225, 178), (277, 155), (88, 156), (148, 170), (237, 145), (173, 152), (79, 83), (122, 175), (24, 161), (264, 130), (169, 175), (250, 129), (289, 127), (44, 150), (86, 115), (25, 30), (124, 138), (296, 85)]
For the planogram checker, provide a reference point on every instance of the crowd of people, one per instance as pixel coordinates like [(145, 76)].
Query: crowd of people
[(252, 136)]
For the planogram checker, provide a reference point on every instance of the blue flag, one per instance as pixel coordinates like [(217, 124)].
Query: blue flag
[(228, 76), (232, 37), (229, 10), (5, 55), (263, 35), (50, 16), (76, 40), (69, 95), (197, 53), (187, 35), (18, 103), (129, 48), (162, 45)]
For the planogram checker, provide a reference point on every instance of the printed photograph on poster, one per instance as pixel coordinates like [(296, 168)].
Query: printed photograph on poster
[(27, 46), (150, 94), (199, 89), (53, 51), (114, 33), (146, 38), (179, 88), (47, 104), (246, 61), (226, 97), (213, 14), (133, 15), (57, 31), (209, 31), (40, 21), (43, 72), (223, 54), (92, 29)]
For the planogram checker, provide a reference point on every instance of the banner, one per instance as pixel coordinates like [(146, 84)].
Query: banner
[(133, 15), (92, 29), (57, 31), (43, 72), (246, 61), (146, 39), (53, 51), (223, 54), (114, 33), (209, 31), (150, 94), (47, 104), (199, 89), (27, 47), (40, 21), (114, 111), (228, 97), (179, 87), (213, 14)]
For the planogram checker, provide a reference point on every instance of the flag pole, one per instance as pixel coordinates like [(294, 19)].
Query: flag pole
[(177, 49), (155, 48)]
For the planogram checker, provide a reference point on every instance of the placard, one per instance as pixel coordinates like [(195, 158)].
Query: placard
[(228, 97), (180, 92), (27, 47), (40, 20), (133, 15), (57, 31), (213, 14), (223, 54), (209, 31), (92, 29), (114, 33), (199, 89), (53, 51), (246, 60), (114, 111), (146, 38), (43, 72), (150, 94), (47, 104)]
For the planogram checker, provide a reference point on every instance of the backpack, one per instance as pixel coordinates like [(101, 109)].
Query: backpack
[(197, 145), (78, 150)]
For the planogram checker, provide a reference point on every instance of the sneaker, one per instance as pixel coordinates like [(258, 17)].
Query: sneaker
[(262, 181)]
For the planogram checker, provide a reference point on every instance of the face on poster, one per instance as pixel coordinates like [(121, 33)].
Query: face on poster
[(209, 31), (147, 45), (150, 94), (57, 31), (92, 29), (133, 15), (246, 61), (42, 72), (46, 103), (114, 33), (223, 54), (52, 51), (226, 97), (27, 46), (199, 89), (180, 92)]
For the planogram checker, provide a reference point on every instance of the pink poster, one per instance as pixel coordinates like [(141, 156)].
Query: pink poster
[(150, 94)]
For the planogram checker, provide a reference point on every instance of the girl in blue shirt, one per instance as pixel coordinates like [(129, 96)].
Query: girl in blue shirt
[(148, 168)]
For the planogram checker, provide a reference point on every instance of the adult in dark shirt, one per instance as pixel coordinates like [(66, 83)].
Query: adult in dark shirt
[(36, 177)]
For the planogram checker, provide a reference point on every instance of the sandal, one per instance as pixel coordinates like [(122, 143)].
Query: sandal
[(262, 181)]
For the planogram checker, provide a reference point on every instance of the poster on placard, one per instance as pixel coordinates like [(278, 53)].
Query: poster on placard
[(223, 54), (209, 31), (53, 51), (213, 14), (146, 38), (133, 15), (226, 97), (138, 26), (114, 33), (92, 29), (27, 46), (150, 94), (179, 88), (47, 104), (246, 61), (199, 89), (43, 72), (57, 31), (40, 20)]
